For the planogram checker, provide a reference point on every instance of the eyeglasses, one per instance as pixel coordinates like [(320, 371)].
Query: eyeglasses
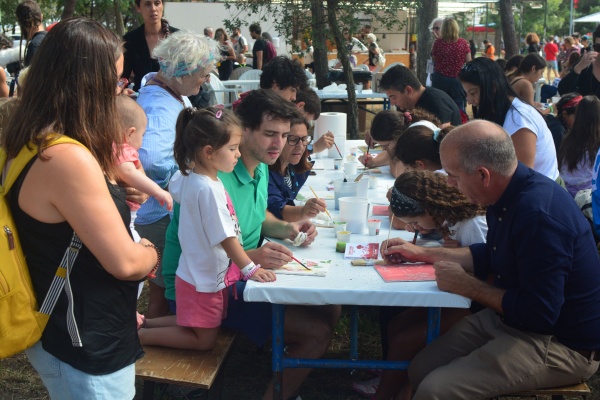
[(293, 140), (122, 83)]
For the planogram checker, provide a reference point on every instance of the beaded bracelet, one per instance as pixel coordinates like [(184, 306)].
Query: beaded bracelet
[(152, 273)]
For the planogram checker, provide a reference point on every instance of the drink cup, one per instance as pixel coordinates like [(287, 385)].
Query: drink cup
[(337, 163)]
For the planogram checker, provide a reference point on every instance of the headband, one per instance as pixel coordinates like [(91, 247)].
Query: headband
[(402, 205), (430, 125), (182, 68), (573, 102)]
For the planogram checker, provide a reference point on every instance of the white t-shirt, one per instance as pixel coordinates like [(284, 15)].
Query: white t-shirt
[(238, 47), (206, 218), (469, 231), (522, 115)]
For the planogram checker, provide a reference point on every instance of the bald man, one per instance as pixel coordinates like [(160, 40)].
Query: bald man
[(541, 327)]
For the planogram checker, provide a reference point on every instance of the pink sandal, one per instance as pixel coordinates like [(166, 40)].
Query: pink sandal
[(367, 388)]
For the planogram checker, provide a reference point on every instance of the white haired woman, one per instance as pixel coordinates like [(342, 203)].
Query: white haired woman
[(374, 50), (185, 60)]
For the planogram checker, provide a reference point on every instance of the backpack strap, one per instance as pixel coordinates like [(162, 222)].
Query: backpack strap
[(10, 172)]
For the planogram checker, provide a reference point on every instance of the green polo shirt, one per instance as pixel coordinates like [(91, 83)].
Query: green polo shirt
[(249, 198)]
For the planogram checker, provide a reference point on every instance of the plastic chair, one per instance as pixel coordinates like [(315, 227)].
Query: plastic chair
[(235, 75), (392, 65), (252, 75), (218, 92)]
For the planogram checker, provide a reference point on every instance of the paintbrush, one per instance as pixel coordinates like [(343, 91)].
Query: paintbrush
[(342, 157), (317, 197), (415, 237), (338, 150), (293, 258), (389, 230)]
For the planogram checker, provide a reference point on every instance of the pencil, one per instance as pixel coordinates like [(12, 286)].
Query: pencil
[(317, 197), (293, 258), (338, 150), (415, 237)]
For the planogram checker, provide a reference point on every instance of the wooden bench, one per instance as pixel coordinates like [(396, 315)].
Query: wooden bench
[(557, 393), (197, 369)]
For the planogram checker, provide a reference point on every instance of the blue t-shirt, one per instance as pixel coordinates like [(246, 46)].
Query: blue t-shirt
[(540, 249)]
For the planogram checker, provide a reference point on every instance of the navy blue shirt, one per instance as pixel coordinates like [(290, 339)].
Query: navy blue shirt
[(280, 193), (540, 249)]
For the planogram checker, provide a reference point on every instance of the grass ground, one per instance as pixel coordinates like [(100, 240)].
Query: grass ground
[(248, 370)]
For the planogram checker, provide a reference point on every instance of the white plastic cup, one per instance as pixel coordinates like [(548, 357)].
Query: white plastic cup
[(374, 226), (344, 236), (337, 163), (373, 182), (338, 226), (350, 168)]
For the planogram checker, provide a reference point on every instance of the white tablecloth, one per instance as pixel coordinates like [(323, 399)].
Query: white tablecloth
[(345, 284)]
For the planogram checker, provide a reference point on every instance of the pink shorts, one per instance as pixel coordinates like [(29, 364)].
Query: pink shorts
[(198, 309)]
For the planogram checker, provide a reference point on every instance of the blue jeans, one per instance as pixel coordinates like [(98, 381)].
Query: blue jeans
[(67, 383)]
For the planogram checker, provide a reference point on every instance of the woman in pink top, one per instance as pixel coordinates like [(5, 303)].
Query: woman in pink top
[(449, 54)]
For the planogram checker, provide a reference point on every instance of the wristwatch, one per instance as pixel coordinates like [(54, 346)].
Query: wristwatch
[(310, 148)]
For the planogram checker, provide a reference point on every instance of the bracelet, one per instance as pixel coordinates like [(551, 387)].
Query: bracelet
[(249, 270), (152, 273), (551, 109)]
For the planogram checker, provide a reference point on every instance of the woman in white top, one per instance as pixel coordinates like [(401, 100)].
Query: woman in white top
[(488, 89)]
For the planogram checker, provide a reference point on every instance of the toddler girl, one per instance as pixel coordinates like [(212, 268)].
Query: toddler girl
[(206, 142), (129, 168)]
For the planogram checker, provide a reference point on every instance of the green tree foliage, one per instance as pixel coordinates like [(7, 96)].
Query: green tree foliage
[(294, 20)]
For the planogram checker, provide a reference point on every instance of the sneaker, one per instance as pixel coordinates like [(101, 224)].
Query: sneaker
[(367, 388)]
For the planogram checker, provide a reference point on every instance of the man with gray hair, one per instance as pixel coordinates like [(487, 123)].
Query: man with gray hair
[(541, 327)]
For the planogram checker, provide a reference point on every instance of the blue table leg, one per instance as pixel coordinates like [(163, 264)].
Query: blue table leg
[(277, 349), (354, 332), (433, 323)]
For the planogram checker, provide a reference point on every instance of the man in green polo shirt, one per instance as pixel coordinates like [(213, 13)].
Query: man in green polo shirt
[(308, 330)]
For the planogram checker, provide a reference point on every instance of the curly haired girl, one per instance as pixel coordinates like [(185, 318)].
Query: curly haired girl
[(424, 200)]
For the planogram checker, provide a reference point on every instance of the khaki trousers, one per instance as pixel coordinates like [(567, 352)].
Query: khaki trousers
[(482, 357)]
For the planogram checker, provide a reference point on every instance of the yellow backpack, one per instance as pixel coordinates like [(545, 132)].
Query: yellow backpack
[(21, 324)]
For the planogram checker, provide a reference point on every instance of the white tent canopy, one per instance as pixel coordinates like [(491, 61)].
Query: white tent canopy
[(589, 18)]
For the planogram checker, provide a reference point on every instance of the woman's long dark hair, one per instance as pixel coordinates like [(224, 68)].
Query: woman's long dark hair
[(584, 139), (70, 90), (494, 89)]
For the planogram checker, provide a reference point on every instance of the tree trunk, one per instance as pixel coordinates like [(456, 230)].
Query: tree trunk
[(425, 14), (119, 19), (319, 42), (69, 9), (343, 57), (511, 45)]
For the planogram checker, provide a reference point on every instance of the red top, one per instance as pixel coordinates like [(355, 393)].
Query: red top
[(551, 50), (449, 57)]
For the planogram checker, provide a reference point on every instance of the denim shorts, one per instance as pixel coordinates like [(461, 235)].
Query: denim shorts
[(67, 383)]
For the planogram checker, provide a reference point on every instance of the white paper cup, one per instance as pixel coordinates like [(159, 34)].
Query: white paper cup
[(338, 226)]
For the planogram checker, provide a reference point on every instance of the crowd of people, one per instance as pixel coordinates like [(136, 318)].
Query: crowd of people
[(180, 196)]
